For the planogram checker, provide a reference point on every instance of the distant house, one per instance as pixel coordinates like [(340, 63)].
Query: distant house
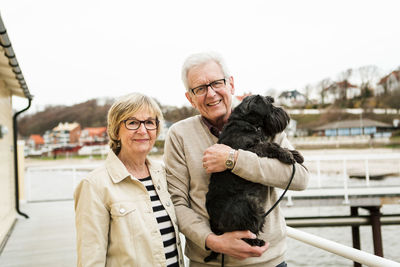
[(340, 90), (35, 141), (292, 98), (355, 127), (12, 83), (389, 84), (93, 136), (63, 134)]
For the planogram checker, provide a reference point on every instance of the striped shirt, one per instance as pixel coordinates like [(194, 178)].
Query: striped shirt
[(164, 224)]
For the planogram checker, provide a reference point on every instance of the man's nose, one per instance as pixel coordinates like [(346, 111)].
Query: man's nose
[(210, 91)]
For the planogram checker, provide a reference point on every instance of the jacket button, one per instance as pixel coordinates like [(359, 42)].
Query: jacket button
[(122, 211), (167, 204), (158, 187)]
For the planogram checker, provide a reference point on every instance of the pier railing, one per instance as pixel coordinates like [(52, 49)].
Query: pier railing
[(63, 180), (345, 158), (339, 249), (364, 162)]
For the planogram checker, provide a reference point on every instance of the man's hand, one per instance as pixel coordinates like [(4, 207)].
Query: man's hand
[(232, 244), (215, 156)]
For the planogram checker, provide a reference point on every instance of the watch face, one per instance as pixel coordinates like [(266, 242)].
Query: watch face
[(229, 164)]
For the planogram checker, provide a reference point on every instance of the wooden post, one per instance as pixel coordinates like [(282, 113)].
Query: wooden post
[(355, 230), (375, 217), (376, 230)]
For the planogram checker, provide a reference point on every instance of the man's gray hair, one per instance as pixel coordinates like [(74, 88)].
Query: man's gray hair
[(198, 59)]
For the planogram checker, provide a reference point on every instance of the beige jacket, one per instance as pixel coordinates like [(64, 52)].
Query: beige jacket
[(114, 218), (188, 185)]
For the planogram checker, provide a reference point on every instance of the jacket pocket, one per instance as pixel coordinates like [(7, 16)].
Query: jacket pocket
[(122, 209), (122, 230)]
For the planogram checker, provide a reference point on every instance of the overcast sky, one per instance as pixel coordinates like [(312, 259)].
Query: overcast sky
[(72, 51)]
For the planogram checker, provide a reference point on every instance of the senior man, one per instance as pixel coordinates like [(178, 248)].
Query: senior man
[(191, 155)]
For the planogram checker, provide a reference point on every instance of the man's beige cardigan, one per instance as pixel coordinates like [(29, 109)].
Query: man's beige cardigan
[(188, 185)]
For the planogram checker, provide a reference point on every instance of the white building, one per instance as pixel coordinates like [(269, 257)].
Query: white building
[(12, 83), (388, 84)]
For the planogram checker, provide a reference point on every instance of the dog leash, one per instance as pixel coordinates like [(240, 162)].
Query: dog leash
[(273, 206), (284, 192)]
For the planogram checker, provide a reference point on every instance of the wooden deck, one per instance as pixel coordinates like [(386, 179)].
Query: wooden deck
[(47, 238)]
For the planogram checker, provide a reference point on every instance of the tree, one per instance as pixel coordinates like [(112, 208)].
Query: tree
[(368, 76), (344, 78), (322, 86), (308, 92)]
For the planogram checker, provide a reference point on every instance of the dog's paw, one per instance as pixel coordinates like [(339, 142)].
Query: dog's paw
[(297, 156), (286, 157), (254, 242)]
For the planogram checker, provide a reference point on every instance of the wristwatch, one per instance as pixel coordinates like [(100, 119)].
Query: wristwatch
[(230, 161)]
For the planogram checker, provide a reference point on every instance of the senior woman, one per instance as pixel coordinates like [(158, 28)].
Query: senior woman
[(124, 215)]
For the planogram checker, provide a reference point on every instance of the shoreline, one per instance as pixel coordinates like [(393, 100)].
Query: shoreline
[(332, 167)]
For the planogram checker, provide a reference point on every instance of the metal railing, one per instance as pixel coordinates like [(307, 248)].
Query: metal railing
[(344, 159), (60, 181), (339, 249), (366, 158)]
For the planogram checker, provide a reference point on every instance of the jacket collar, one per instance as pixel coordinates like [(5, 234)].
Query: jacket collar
[(118, 172)]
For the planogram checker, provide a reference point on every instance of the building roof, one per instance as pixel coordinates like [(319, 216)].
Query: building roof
[(66, 126), (37, 139), (95, 131), (353, 124), (396, 74), (290, 94), (10, 71), (342, 85)]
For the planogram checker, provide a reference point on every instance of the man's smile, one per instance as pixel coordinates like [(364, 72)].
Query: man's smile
[(214, 103)]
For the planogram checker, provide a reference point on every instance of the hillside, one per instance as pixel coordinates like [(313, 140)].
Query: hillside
[(92, 113)]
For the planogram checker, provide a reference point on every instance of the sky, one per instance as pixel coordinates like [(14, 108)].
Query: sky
[(76, 50)]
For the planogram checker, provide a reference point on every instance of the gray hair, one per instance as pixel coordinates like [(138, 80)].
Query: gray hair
[(198, 59)]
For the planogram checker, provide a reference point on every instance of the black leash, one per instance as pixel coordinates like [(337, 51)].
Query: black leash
[(273, 206), (284, 192)]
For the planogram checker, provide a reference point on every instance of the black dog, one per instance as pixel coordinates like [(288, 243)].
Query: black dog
[(234, 203)]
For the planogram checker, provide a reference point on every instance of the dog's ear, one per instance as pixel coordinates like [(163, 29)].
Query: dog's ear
[(276, 122), (269, 99)]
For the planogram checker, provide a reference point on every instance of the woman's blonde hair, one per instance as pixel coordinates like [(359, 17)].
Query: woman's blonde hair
[(123, 108)]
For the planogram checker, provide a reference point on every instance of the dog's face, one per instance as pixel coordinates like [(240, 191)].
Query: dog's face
[(259, 111)]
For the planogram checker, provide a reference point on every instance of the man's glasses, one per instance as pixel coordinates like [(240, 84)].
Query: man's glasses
[(215, 85), (134, 124)]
